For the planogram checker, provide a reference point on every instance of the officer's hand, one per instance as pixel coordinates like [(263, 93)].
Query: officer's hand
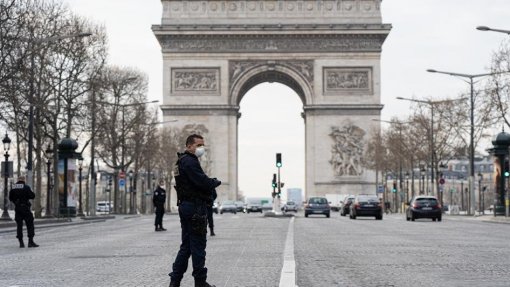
[(216, 182)]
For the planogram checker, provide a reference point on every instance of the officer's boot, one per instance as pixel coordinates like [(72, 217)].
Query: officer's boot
[(31, 243), (175, 284), (157, 228), (161, 228), (21, 243), (212, 231), (203, 284)]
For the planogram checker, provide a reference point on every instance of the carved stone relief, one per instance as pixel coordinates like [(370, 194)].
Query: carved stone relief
[(347, 81), (195, 80), (289, 7), (271, 43), (347, 150)]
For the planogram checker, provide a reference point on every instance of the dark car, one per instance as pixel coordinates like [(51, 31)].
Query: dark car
[(346, 204), (228, 206), (240, 206), (317, 205), (253, 206), (366, 205), (424, 206)]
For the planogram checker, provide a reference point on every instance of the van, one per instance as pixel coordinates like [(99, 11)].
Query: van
[(103, 206)]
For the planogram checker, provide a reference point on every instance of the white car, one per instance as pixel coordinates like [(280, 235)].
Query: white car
[(290, 206), (103, 206)]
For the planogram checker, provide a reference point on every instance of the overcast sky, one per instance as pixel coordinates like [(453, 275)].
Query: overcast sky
[(438, 34)]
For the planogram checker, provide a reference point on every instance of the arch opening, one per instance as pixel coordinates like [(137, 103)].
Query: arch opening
[(271, 123)]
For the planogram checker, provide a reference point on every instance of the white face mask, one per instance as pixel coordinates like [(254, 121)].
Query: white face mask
[(200, 151)]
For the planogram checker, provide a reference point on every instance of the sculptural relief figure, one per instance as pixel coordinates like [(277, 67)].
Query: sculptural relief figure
[(347, 150), (195, 81), (347, 80)]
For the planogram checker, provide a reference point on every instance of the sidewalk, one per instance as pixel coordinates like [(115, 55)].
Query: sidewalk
[(10, 226), (482, 217)]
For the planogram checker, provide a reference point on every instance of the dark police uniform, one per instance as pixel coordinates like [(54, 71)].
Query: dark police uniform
[(210, 220), (159, 200), (194, 190), (20, 195)]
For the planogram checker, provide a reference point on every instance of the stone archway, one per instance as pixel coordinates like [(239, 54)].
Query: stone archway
[(327, 51)]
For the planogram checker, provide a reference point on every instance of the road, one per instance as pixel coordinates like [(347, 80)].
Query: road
[(249, 251)]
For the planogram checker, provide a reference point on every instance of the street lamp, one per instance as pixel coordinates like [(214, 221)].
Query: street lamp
[(80, 168), (7, 144), (131, 208), (407, 187), (485, 28), (480, 178), (32, 43), (471, 78), (49, 152), (422, 172)]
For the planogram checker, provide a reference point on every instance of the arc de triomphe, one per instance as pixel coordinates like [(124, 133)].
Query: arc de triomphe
[(327, 51)]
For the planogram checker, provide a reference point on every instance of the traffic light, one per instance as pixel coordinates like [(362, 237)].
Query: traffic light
[(274, 180), (109, 180), (506, 168), (278, 160), (394, 189)]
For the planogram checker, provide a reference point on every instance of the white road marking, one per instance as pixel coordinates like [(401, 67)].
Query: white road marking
[(288, 275)]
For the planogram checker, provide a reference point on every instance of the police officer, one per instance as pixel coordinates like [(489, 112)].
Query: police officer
[(210, 220), (20, 195), (194, 194), (159, 200)]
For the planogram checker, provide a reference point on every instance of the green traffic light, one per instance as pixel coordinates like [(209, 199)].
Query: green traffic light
[(394, 190), (278, 164), (507, 174)]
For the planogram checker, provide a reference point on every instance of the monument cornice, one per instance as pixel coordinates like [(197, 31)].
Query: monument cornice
[(272, 43), (343, 107), (169, 110)]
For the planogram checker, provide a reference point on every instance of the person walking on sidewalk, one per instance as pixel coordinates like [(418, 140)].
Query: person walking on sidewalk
[(20, 195), (194, 194), (159, 200)]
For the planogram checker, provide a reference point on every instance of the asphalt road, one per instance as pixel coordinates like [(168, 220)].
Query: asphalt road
[(249, 251)]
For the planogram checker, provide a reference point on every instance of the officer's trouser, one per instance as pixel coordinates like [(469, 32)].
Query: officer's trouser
[(23, 213), (210, 219), (194, 241), (160, 211)]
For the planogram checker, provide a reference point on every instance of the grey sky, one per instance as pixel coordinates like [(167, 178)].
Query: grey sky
[(437, 34)]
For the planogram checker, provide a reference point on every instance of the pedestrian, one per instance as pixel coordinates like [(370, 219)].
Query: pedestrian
[(159, 200), (210, 219), (194, 194), (20, 195)]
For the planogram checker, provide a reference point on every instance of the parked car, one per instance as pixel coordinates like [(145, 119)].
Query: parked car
[(290, 206), (228, 206), (253, 206), (103, 206), (346, 204), (317, 205), (267, 206), (424, 206), (240, 206), (366, 205), (215, 207)]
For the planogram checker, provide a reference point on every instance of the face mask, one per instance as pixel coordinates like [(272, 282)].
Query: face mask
[(200, 151)]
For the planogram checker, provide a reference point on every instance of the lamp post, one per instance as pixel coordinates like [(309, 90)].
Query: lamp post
[(49, 152), (462, 193), (80, 168), (422, 172), (480, 178), (471, 78), (485, 28), (32, 43), (7, 144), (131, 197), (407, 187)]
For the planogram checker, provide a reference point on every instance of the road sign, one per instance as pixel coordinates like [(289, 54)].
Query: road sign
[(380, 189), (122, 182), (441, 181), (122, 174)]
